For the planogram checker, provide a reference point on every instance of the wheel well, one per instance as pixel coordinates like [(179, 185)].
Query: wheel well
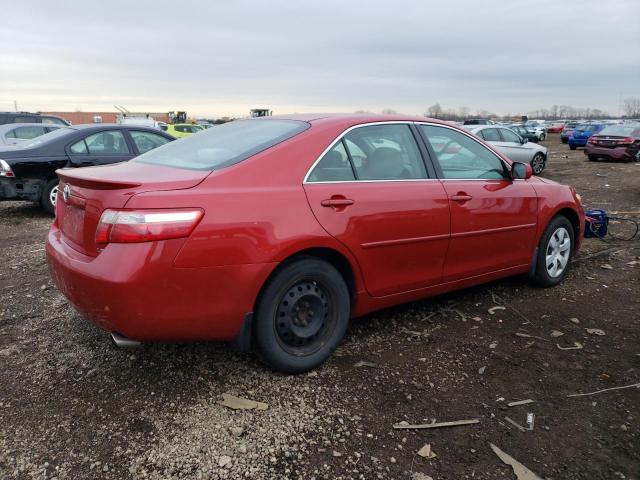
[(335, 258), (572, 216)]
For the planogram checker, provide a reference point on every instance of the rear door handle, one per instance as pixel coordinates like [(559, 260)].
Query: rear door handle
[(337, 202), (461, 198)]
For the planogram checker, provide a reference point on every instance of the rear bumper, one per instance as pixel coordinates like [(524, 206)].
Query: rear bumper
[(617, 153), (579, 142), (135, 290), (20, 189)]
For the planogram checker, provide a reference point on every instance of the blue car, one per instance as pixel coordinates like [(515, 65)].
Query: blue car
[(581, 134)]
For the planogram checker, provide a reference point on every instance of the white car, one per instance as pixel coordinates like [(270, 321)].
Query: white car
[(513, 145), (16, 133), (537, 128)]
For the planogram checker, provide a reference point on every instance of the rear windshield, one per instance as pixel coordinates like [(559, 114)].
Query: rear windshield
[(223, 145), (622, 131)]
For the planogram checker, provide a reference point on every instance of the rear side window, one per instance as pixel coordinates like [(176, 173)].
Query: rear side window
[(27, 132), (490, 135), (224, 145), (107, 143), (334, 166), (375, 152), (24, 119)]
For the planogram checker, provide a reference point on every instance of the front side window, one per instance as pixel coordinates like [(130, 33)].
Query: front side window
[(462, 157), (28, 132), (509, 136), (224, 145), (107, 143), (490, 135), (146, 141)]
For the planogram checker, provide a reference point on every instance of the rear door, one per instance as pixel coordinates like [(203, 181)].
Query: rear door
[(371, 191), (493, 218), (100, 148)]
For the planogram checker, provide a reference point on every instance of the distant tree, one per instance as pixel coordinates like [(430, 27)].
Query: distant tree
[(434, 111), (631, 107), (362, 111), (463, 112), (389, 111)]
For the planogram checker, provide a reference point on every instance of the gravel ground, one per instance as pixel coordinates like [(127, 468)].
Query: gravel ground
[(73, 406)]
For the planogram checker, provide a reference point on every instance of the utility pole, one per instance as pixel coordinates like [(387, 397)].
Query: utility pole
[(15, 105)]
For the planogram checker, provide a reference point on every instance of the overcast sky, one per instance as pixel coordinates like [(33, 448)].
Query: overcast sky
[(223, 58)]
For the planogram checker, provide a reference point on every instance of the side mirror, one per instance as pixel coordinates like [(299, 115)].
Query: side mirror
[(525, 140), (521, 171)]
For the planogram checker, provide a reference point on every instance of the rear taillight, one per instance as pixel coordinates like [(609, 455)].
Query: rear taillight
[(592, 140), (626, 141), (131, 226), (5, 170)]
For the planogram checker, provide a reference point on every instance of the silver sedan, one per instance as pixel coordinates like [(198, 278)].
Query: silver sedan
[(16, 133), (513, 145)]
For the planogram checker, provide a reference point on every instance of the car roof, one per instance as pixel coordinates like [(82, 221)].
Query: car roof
[(347, 120)]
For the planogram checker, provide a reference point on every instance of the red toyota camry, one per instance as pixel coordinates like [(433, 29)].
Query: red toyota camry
[(274, 232)]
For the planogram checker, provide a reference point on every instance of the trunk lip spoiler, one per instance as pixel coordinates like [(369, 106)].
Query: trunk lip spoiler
[(85, 181)]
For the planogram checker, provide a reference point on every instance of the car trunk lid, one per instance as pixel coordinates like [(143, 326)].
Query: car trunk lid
[(86, 192)]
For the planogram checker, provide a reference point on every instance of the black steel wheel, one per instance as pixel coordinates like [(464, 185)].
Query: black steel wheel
[(302, 315)]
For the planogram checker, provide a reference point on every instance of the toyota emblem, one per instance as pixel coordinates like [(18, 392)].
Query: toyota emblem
[(66, 191)]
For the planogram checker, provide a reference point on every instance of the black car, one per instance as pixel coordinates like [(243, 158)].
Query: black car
[(27, 171), (478, 121), (524, 133), (26, 117)]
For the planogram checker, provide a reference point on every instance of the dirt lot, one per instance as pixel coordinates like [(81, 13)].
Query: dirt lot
[(72, 406)]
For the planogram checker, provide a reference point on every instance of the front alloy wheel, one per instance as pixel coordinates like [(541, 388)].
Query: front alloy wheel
[(558, 251), (554, 252), (537, 163)]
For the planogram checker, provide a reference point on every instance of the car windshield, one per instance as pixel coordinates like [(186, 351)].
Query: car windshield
[(622, 131), (224, 145), (47, 137)]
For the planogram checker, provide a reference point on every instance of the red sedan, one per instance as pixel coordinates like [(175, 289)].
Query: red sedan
[(555, 128), (274, 232)]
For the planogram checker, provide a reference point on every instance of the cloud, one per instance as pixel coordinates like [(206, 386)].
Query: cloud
[(226, 57)]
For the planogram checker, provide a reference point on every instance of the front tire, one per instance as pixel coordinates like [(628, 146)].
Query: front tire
[(538, 163), (48, 196), (542, 137), (302, 315), (554, 253)]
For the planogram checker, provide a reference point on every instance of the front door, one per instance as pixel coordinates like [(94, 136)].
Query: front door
[(493, 218), (371, 192)]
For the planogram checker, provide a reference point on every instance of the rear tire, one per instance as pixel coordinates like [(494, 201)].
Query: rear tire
[(564, 140), (48, 196), (593, 158), (572, 147), (554, 253), (302, 315), (542, 137)]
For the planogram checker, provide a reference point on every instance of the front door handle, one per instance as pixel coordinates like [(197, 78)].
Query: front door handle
[(461, 197), (337, 202)]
